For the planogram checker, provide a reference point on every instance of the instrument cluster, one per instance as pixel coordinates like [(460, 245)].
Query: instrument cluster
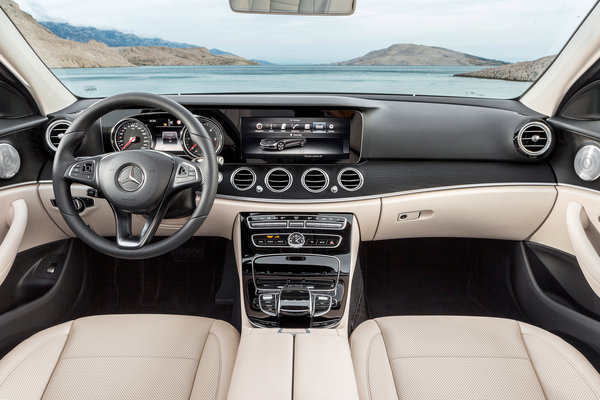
[(163, 132)]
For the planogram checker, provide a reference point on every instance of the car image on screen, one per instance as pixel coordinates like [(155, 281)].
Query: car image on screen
[(281, 144)]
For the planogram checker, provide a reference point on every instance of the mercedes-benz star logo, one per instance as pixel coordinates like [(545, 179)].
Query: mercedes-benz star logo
[(131, 178)]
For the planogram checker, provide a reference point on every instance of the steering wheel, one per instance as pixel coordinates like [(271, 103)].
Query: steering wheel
[(134, 181)]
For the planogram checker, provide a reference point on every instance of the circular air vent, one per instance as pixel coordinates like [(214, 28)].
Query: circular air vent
[(534, 139), (243, 178), (315, 180), (55, 132), (278, 180), (350, 179)]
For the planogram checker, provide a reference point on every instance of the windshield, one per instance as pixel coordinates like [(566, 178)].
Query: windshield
[(491, 48)]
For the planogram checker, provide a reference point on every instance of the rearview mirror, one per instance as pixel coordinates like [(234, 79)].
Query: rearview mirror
[(296, 7)]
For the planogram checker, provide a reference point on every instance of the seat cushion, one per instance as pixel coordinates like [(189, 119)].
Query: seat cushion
[(123, 357), (442, 357)]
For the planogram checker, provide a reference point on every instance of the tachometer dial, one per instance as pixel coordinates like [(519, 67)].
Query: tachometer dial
[(131, 134), (214, 130)]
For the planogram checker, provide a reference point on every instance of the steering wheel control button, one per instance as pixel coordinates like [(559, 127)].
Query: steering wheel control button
[(186, 174), (83, 170), (131, 178)]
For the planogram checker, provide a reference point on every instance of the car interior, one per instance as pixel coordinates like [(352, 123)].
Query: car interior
[(406, 247)]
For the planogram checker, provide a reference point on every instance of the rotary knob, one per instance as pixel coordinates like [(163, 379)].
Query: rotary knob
[(296, 240)]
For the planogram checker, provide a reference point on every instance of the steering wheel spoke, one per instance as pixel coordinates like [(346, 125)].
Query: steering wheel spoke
[(84, 170), (124, 228)]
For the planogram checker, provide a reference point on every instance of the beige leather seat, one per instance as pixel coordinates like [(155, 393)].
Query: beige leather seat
[(123, 357), (467, 358)]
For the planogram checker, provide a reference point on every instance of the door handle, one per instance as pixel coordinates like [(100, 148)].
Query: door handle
[(580, 228), (12, 241)]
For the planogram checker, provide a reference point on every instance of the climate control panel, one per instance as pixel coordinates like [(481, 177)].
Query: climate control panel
[(296, 240), (329, 222)]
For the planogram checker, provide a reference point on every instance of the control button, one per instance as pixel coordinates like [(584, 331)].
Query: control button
[(270, 241), (268, 224), (311, 242), (83, 170), (260, 242), (332, 242), (268, 303), (296, 224), (186, 173), (321, 242), (321, 305), (280, 241)]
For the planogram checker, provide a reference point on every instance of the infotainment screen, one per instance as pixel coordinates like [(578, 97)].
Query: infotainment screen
[(296, 138)]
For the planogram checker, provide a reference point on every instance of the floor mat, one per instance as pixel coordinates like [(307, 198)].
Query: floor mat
[(181, 282), (438, 277)]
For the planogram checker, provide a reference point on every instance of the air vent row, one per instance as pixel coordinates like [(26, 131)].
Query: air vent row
[(243, 178), (315, 180), (350, 179), (534, 139), (55, 132), (278, 180)]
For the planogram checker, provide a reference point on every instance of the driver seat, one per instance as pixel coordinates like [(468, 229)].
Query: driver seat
[(123, 357)]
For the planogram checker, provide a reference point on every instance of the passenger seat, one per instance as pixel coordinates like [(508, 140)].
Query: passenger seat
[(442, 357)]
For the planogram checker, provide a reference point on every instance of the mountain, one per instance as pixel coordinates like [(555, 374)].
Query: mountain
[(57, 52), (262, 62), (526, 71), (111, 38), (139, 55), (220, 52), (415, 54), (61, 53)]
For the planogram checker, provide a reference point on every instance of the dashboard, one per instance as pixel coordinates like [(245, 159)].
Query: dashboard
[(327, 148)]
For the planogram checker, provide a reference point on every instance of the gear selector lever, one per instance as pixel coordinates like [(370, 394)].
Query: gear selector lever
[(295, 301)]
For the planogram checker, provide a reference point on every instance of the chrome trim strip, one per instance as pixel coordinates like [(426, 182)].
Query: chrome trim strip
[(578, 187), (16, 185), (383, 195)]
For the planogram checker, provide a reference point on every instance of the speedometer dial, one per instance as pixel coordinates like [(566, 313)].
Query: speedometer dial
[(190, 142), (131, 134)]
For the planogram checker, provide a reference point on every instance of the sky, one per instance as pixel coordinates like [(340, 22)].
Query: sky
[(508, 30)]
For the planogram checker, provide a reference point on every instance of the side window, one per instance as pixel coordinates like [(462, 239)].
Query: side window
[(585, 104)]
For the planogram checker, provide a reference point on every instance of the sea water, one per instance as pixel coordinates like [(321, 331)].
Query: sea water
[(410, 80)]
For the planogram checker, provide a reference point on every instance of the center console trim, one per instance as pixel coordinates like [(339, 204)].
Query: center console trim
[(337, 278)]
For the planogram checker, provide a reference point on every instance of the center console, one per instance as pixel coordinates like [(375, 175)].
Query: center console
[(295, 268)]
